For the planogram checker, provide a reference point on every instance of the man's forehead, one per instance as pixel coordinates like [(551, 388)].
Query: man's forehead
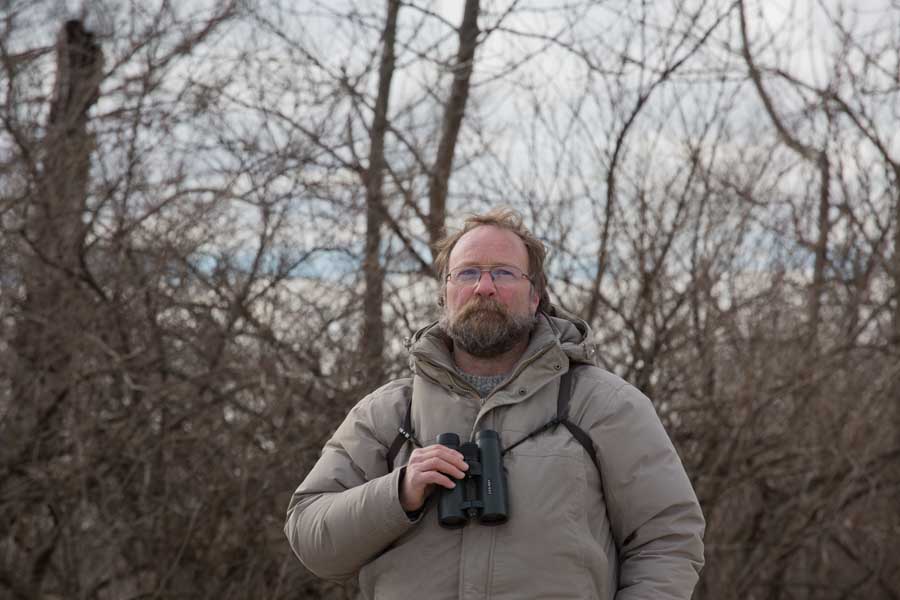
[(487, 245)]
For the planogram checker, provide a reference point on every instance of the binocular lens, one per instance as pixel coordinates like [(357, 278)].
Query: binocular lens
[(481, 494), (493, 479), (450, 502)]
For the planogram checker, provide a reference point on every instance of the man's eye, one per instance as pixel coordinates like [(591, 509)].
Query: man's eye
[(503, 273), (468, 274)]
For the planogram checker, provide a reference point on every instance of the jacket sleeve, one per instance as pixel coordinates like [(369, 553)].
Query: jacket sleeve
[(654, 513), (347, 510)]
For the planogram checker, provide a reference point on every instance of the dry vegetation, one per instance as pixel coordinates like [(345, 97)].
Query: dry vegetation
[(214, 235)]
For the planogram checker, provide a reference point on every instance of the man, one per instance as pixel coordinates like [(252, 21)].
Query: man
[(628, 530)]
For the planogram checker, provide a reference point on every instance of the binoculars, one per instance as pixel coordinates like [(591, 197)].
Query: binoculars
[(481, 493)]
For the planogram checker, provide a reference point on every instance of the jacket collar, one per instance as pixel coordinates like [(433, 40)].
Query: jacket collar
[(556, 341)]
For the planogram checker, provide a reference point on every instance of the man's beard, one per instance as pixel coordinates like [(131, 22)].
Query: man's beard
[(485, 328)]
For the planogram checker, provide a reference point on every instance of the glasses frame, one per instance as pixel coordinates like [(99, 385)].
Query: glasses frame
[(489, 270)]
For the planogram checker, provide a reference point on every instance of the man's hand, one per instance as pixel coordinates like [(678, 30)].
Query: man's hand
[(427, 467)]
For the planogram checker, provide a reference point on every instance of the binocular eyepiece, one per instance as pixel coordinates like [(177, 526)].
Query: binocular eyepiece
[(481, 493)]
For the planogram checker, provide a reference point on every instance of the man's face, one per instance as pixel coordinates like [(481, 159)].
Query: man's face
[(488, 318)]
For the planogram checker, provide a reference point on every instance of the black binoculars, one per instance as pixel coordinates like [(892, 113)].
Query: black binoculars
[(481, 493)]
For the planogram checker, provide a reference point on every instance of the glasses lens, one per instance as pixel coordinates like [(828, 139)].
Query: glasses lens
[(502, 274), (506, 274), (466, 275)]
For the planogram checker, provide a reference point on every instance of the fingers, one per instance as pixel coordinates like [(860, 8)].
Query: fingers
[(427, 467), (427, 478), (440, 459)]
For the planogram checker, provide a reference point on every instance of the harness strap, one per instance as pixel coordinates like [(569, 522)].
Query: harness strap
[(404, 433), (549, 425), (562, 416), (565, 394), (585, 440)]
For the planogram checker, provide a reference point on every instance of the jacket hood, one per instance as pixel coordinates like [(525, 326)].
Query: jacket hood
[(556, 326)]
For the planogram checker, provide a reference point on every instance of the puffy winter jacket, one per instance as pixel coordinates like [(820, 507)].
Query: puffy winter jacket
[(633, 531)]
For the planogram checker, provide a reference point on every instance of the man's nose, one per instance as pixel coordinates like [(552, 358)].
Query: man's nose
[(485, 285)]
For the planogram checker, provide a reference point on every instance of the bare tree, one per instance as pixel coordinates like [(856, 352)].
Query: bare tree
[(454, 110), (373, 323), (214, 234)]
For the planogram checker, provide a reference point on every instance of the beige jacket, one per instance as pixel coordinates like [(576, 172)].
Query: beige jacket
[(638, 535)]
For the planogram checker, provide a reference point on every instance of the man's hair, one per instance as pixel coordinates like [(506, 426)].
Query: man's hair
[(503, 218)]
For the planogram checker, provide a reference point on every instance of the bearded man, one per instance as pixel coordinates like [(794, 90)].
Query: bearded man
[(599, 505)]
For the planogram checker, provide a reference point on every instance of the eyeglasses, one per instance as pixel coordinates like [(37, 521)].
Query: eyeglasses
[(500, 274)]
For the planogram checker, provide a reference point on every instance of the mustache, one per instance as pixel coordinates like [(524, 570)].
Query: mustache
[(478, 304), (485, 327)]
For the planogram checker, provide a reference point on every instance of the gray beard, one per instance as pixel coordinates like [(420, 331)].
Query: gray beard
[(486, 329)]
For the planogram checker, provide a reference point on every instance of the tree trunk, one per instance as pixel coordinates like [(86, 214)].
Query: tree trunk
[(453, 115), (895, 342), (373, 323), (821, 256), (896, 268), (54, 228), (817, 156), (47, 333)]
